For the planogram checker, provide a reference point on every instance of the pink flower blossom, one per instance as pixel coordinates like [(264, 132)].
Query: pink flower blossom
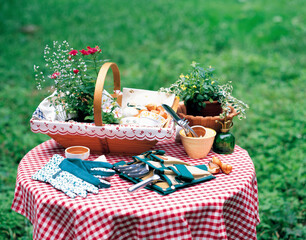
[(55, 75), (76, 71), (73, 52)]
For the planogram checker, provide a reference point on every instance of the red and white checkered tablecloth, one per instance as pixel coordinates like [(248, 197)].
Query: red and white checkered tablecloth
[(223, 208)]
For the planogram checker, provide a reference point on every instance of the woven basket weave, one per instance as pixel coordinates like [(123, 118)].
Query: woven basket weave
[(209, 122)]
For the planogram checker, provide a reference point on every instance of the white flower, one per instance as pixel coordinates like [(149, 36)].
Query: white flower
[(117, 112), (106, 100), (107, 107)]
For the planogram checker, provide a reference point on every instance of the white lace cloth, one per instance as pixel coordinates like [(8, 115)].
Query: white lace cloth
[(111, 131)]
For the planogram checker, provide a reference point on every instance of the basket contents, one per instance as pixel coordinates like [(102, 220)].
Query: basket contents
[(149, 115), (50, 111), (143, 107)]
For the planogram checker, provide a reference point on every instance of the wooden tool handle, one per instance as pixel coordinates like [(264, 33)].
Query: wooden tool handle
[(99, 89)]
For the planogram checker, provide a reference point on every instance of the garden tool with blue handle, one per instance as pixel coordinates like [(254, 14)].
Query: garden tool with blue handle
[(166, 173), (171, 172), (136, 168)]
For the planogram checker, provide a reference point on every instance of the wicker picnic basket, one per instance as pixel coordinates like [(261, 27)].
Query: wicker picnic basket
[(106, 138)]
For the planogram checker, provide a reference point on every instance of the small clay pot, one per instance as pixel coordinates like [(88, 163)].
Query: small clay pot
[(198, 147), (80, 152)]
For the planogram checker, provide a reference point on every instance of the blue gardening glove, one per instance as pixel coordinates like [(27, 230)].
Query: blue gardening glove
[(65, 181), (62, 180), (90, 171)]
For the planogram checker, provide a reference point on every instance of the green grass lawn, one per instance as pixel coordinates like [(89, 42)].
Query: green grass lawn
[(258, 45)]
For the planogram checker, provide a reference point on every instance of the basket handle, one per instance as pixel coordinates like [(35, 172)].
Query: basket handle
[(99, 89)]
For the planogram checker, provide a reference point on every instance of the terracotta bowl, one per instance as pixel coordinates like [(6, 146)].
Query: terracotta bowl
[(198, 147), (209, 121), (80, 152)]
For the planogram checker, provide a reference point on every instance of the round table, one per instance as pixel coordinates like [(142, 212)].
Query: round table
[(222, 208)]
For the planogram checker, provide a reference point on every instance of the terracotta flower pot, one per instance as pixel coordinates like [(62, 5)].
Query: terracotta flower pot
[(211, 109), (209, 121)]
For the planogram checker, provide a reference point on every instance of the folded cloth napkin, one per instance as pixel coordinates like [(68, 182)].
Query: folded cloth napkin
[(75, 177), (47, 110)]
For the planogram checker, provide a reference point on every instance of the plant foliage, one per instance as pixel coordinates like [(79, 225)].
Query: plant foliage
[(200, 85)]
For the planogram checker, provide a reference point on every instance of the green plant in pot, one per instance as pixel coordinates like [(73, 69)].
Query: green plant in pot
[(72, 75), (203, 95)]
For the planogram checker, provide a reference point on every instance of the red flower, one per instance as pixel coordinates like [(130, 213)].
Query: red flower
[(92, 50), (55, 75), (84, 52), (99, 50), (75, 71), (73, 52)]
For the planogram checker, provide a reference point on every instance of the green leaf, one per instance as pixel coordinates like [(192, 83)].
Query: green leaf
[(89, 118), (200, 97), (211, 88)]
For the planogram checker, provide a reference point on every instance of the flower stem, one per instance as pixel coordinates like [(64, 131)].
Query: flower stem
[(94, 58)]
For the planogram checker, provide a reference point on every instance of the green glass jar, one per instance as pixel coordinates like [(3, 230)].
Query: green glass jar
[(224, 142)]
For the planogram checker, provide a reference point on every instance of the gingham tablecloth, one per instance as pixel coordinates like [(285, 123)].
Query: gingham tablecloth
[(223, 208)]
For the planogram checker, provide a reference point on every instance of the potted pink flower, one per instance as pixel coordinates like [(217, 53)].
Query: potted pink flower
[(73, 75)]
